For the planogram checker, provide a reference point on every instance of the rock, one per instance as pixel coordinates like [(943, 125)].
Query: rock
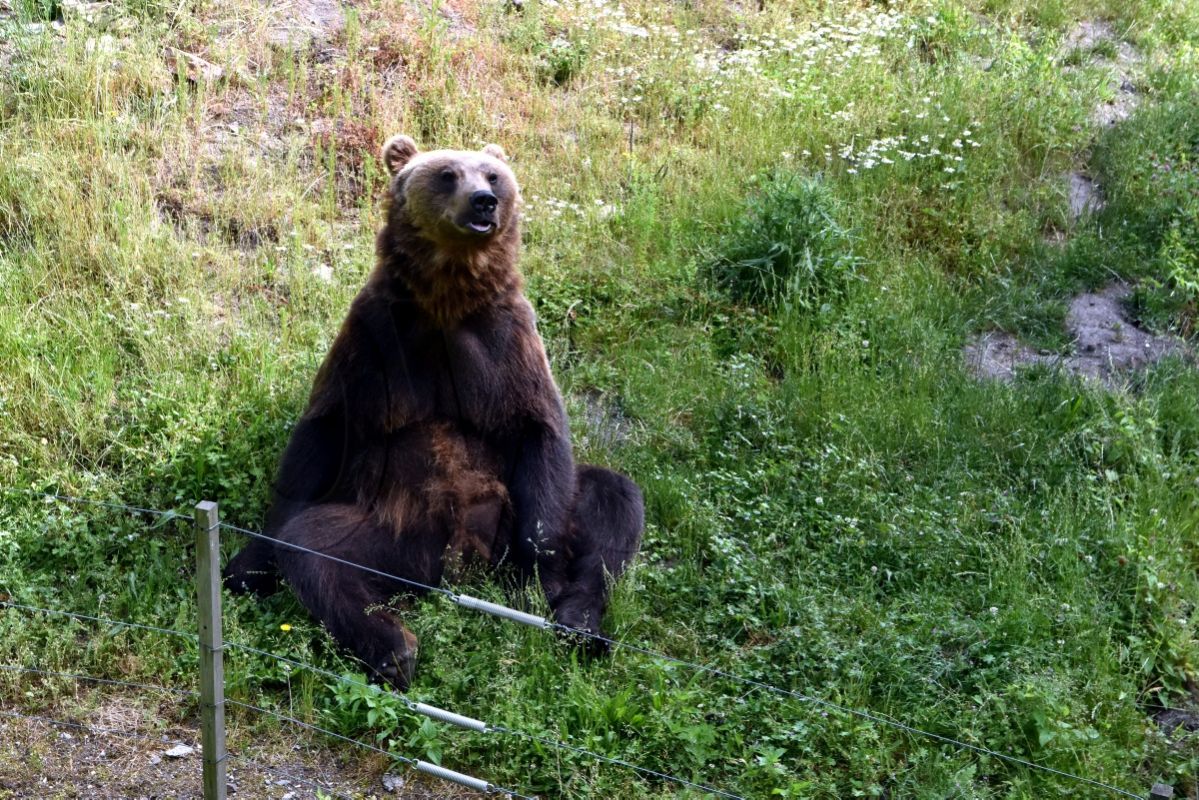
[(179, 751), (99, 14), (197, 69), (393, 783), (104, 45), (34, 28)]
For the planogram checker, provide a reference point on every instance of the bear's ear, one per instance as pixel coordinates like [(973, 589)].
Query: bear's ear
[(495, 151), (397, 151)]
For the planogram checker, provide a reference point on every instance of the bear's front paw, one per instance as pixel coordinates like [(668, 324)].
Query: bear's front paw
[(398, 664), (581, 629)]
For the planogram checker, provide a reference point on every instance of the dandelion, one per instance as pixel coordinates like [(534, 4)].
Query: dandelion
[(285, 627)]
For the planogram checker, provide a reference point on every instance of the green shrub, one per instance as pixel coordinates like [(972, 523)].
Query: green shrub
[(1172, 300), (786, 242), (560, 60)]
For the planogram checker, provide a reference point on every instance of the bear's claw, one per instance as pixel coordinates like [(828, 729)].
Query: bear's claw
[(398, 670)]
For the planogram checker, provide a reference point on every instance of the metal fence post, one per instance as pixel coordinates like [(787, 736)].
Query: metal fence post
[(212, 668)]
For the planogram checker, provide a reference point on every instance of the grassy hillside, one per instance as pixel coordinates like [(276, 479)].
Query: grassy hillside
[(757, 237)]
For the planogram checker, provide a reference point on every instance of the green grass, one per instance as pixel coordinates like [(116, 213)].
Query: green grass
[(763, 259)]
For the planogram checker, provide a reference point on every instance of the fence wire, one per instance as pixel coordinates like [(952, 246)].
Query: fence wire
[(559, 745), (703, 668), (496, 610), (95, 729), (166, 516), (424, 587), (95, 679), (408, 762), (101, 620), (416, 708)]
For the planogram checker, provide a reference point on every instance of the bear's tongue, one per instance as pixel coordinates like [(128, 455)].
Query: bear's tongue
[(481, 227)]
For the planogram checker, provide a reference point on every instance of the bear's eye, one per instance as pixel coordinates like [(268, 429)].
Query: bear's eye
[(447, 176), (492, 177)]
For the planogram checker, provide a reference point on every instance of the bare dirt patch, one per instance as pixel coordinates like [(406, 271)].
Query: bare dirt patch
[(1086, 196), (1095, 43), (300, 23), (999, 355), (1107, 344), (1099, 44), (43, 760)]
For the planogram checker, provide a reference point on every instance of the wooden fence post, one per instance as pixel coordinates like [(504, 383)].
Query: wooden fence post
[(212, 668)]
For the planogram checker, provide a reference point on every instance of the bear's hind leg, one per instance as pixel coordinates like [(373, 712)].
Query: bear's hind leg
[(350, 602), (606, 522)]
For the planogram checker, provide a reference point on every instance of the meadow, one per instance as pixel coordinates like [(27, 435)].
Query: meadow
[(758, 236)]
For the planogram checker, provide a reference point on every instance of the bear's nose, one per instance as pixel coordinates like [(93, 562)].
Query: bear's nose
[(483, 201)]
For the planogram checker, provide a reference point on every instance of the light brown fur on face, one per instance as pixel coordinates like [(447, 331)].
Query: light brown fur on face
[(437, 188), (452, 255)]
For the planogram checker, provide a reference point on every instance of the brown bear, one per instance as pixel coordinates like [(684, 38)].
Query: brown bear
[(434, 433)]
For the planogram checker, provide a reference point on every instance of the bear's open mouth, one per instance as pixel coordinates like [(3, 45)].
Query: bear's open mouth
[(481, 225)]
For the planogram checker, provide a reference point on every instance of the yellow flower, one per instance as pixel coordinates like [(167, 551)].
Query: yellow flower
[(285, 627)]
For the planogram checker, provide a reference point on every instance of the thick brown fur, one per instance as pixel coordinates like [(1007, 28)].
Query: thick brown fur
[(435, 436)]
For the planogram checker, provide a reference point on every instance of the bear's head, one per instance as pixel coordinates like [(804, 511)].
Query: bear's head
[(455, 199)]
